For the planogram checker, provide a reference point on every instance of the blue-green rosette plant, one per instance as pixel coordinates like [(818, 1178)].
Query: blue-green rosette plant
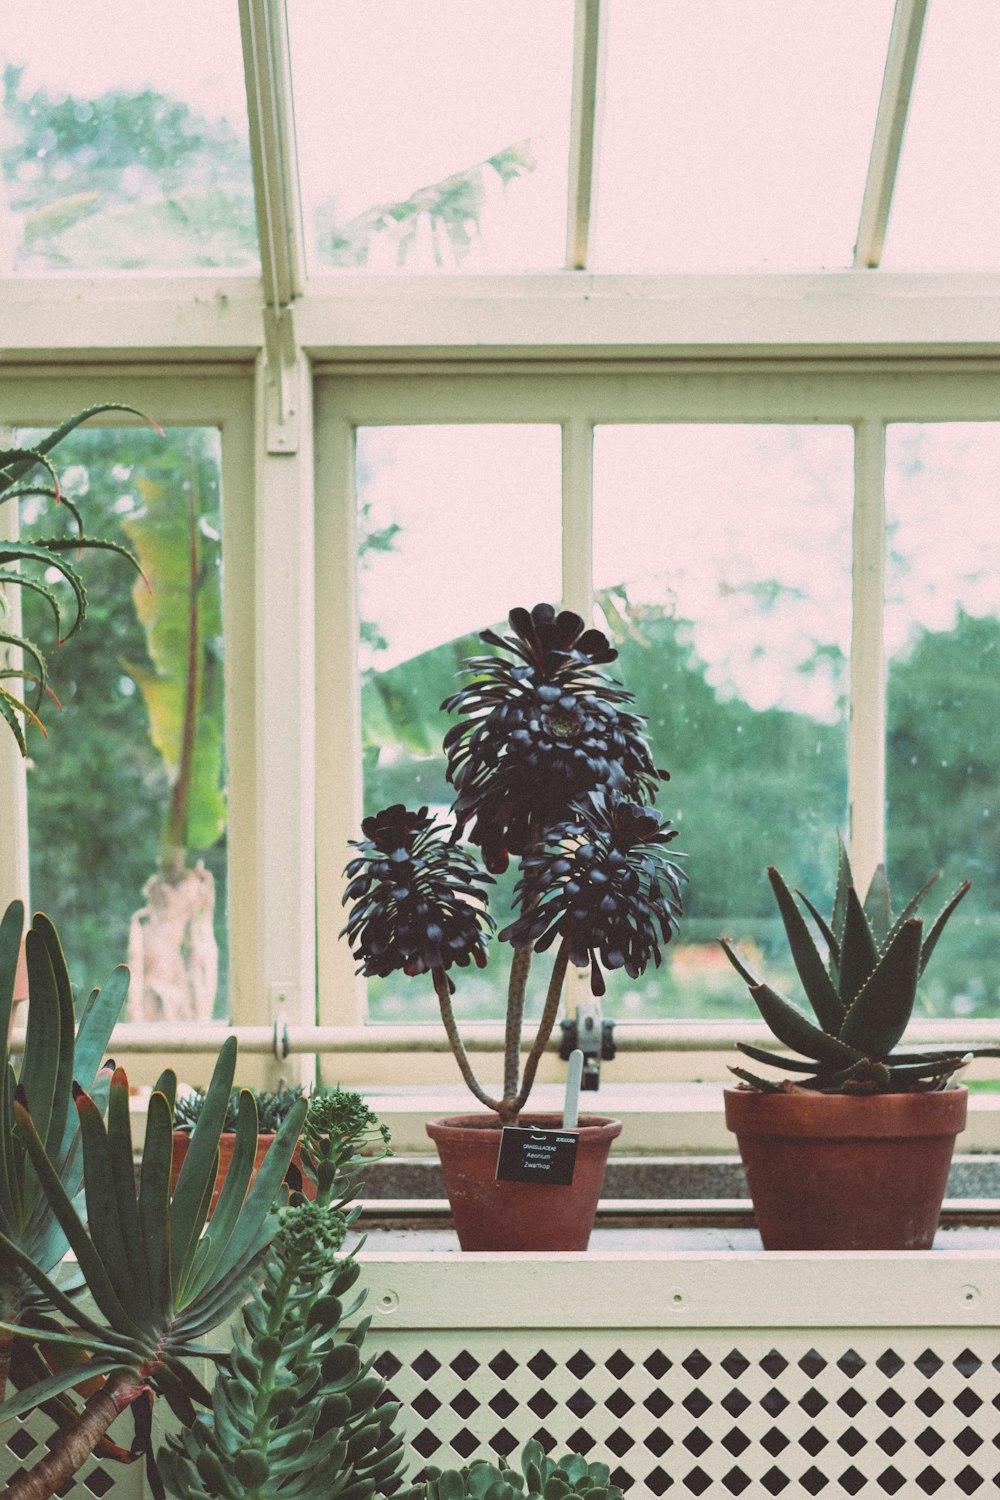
[(550, 766)]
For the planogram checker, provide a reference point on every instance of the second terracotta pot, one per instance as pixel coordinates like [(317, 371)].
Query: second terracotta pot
[(491, 1215), (182, 1140), (846, 1172)]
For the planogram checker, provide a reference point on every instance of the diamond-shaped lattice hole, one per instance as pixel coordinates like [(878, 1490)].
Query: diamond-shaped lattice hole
[(503, 1442), (812, 1364), (813, 1441), (387, 1365), (657, 1364), (503, 1404), (968, 1480), (890, 1441), (658, 1442), (890, 1480), (622, 1479), (774, 1403), (928, 1402), (696, 1364), (736, 1481), (734, 1402), (546, 1439), (774, 1481), (22, 1443), (657, 1403), (580, 1364), (619, 1402), (967, 1402), (889, 1363), (812, 1481), (697, 1441), (967, 1363), (425, 1365), (465, 1403), (697, 1481), (929, 1480), (890, 1402), (774, 1441), (697, 1403), (968, 1441), (850, 1363), (464, 1365), (928, 1363), (464, 1443), (99, 1483), (619, 1364), (736, 1441), (929, 1441), (851, 1403), (734, 1364), (541, 1404), (426, 1404), (774, 1364), (851, 1441), (503, 1366), (658, 1482), (580, 1403), (580, 1441), (426, 1443), (541, 1365), (852, 1480), (812, 1403), (619, 1442)]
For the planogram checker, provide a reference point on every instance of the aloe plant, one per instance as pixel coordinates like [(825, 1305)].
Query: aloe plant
[(160, 1283), (25, 563), (540, 1478), (862, 992)]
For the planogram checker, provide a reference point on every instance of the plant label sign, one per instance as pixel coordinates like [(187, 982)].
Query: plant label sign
[(546, 1156)]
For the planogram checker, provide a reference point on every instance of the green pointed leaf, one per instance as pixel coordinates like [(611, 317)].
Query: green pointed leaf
[(43, 1037), (858, 953), (940, 922), (166, 1085), (763, 1085), (97, 1024), (776, 1059), (200, 1165), (845, 882), (154, 1200), (806, 956), (793, 1027), (883, 1006), (215, 1243), (878, 906), (739, 963), (122, 1173), (63, 1380)]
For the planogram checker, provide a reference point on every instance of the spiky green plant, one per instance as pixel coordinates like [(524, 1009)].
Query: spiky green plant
[(159, 1283), (862, 993), (56, 1051), (540, 1478), (25, 562), (298, 1415)]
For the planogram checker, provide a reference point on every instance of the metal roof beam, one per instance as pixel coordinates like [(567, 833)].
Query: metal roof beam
[(588, 71), (890, 122), (264, 28)]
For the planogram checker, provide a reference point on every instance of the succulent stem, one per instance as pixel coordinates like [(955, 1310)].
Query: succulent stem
[(547, 1022), (442, 987), (77, 1443), (520, 967)]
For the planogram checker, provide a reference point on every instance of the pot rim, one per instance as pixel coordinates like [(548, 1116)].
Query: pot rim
[(473, 1126), (833, 1116)]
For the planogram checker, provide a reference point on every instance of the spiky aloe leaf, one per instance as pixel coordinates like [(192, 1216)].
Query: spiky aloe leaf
[(858, 951), (806, 956), (763, 1085), (739, 963), (845, 881), (878, 906), (912, 906), (829, 937), (882, 1008), (903, 1075), (776, 1059), (940, 922), (793, 1027), (197, 1175)]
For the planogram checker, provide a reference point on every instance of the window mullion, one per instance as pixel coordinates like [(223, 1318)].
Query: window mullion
[(578, 515), (868, 671)]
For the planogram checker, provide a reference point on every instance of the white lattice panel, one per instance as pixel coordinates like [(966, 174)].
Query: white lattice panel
[(22, 1444)]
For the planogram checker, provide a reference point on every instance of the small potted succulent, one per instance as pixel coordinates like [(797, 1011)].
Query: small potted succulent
[(539, 1476), (852, 1152), (550, 767)]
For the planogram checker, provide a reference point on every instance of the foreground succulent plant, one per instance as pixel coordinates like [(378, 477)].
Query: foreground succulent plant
[(862, 992), (550, 765), (541, 1478)]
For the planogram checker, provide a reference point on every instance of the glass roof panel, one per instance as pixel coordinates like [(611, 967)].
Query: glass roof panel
[(433, 136), (123, 138), (946, 204), (736, 137)]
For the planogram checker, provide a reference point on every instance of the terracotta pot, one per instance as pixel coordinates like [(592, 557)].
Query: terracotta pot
[(846, 1172), (491, 1215), (182, 1139)]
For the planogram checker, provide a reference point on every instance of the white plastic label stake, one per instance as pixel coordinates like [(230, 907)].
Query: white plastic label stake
[(571, 1109)]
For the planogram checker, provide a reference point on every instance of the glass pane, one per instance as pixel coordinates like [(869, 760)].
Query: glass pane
[(127, 831), (443, 143), (457, 525), (722, 560), (736, 136), (943, 638), (123, 138), (946, 202)]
